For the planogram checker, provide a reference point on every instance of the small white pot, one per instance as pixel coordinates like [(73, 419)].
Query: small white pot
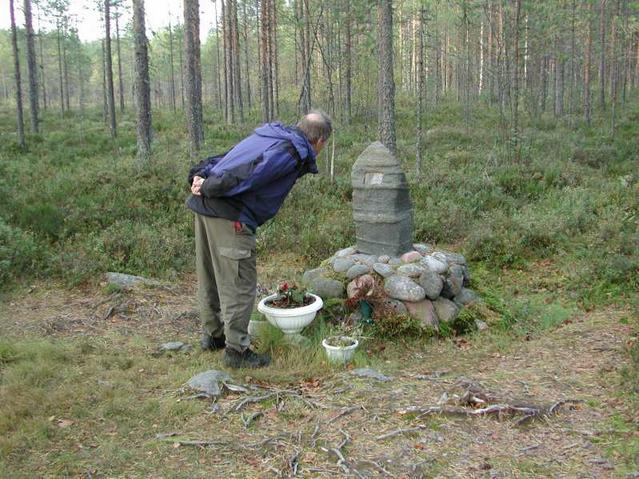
[(340, 354), (290, 320)]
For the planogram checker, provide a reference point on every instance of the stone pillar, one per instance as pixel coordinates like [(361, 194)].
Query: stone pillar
[(382, 208)]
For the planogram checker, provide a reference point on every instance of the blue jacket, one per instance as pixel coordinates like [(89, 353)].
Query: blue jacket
[(250, 182)]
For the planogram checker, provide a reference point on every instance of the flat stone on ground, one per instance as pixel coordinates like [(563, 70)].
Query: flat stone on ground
[(384, 258), (125, 280), (175, 346), (403, 288), (370, 373), (209, 382)]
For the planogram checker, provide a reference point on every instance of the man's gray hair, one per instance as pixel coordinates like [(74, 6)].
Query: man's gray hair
[(316, 125)]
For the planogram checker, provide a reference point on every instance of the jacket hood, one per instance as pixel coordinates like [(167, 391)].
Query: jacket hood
[(296, 137)]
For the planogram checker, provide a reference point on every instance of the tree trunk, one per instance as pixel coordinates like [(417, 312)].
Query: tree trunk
[(421, 82), (60, 71), (173, 99), (587, 67), (235, 47), (42, 77), (247, 87), (117, 46), (16, 63), (348, 107), (386, 83), (221, 102), (265, 17), (142, 82), (31, 67), (602, 55), (65, 66), (193, 75), (274, 60), (109, 68), (229, 110), (516, 82), (105, 108)]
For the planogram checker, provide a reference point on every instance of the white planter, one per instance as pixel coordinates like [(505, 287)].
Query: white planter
[(340, 354), (290, 320)]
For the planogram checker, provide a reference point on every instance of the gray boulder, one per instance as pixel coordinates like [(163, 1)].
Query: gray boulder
[(432, 283), (403, 288), (446, 310), (384, 258), (411, 257), (395, 261), (367, 259), (357, 270), (383, 269), (434, 264), (454, 258), (411, 270), (327, 288), (346, 252), (395, 306), (342, 264), (466, 297), (424, 311), (455, 279), (311, 274), (422, 248)]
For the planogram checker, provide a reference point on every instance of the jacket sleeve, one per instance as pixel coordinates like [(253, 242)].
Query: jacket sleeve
[(201, 168), (273, 164)]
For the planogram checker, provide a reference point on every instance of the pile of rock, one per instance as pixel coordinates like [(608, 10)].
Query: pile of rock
[(431, 286)]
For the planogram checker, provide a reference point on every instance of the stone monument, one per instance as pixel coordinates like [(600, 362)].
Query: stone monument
[(382, 208)]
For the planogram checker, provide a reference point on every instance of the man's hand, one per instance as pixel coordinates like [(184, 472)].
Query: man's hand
[(196, 185)]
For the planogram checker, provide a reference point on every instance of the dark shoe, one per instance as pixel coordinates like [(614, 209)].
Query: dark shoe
[(209, 343), (247, 359)]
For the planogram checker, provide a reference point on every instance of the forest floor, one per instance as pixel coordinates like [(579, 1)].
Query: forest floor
[(86, 395)]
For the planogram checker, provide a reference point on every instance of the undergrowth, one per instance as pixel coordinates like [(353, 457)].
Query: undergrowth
[(76, 203)]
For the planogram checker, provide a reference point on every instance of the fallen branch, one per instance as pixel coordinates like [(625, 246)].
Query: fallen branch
[(197, 443), (344, 412), (397, 432)]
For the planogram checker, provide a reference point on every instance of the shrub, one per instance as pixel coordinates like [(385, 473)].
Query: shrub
[(20, 254)]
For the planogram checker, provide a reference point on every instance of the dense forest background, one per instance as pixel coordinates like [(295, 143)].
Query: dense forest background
[(514, 119), (277, 58)]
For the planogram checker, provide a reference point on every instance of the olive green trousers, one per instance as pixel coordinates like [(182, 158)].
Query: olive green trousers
[(227, 278)]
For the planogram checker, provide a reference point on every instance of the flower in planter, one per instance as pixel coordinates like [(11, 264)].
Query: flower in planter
[(290, 296)]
